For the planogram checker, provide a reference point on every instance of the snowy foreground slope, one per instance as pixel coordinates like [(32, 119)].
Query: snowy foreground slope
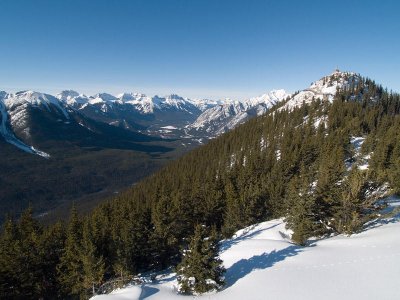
[(262, 263)]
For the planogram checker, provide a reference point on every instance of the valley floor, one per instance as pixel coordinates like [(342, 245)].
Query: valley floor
[(262, 263)]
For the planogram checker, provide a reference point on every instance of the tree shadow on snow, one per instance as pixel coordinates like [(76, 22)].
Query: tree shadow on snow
[(245, 236), (379, 222), (389, 214), (244, 267), (147, 291)]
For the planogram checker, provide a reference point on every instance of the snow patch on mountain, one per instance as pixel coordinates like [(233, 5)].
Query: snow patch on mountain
[(223, 117), (34, 99), (267, 100), (216, 118), (361, 161), (139, 102), (124, 97), (204, 104), (175, 102), (9, 136), (67, 95), (323, 89), (72, 98), (142, 103)]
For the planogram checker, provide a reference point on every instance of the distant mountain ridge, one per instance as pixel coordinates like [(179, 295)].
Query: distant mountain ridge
[(171, 116), (30, 118), (221, 118)]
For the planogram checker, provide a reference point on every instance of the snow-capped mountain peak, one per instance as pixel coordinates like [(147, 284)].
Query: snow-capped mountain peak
[(231, 113), (72, 98), (177, 102), (33, 98), (102, 98), (124, 97), (323, 89), (204, 104), (15, 116), (329, 84), (174, 97), (269, 99), (67, 95)]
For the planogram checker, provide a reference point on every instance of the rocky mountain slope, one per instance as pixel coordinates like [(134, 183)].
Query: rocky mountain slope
[(224, 117)]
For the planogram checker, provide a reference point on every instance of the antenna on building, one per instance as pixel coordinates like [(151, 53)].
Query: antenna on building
[(337, 69)]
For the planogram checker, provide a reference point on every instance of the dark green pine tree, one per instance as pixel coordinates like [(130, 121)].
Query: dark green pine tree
[(234, 211), (302, 211), (28, 259), (201, 268), (51, 245), (70, 269), (30, 271), (92, 262), (350, 213), (9, 252)]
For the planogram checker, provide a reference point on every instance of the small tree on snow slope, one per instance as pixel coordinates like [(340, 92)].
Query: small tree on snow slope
[(201, 268)]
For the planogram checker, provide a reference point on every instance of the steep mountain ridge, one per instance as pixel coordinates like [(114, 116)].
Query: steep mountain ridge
[(9, 136), (135, 111), (323, 89), (16, 112), (221, 118)]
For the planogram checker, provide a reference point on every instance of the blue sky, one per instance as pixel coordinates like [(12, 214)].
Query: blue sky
[(204, 49)]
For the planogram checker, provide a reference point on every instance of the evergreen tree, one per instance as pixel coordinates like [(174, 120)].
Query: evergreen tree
[(234, 210), (9, 253), (201, 269), (303, 215), (93, 265), (348, 217), (30, 264), (70, 268), (51, 245)]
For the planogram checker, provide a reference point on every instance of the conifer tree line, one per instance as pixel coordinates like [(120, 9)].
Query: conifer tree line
[(296, 164)]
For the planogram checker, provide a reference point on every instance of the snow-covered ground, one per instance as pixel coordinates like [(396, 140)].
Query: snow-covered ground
[(262, 263)]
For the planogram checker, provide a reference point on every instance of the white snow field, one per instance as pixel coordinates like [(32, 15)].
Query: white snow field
[(262, 263)]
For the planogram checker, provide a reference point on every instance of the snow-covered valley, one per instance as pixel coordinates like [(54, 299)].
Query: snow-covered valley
[(262, 263)]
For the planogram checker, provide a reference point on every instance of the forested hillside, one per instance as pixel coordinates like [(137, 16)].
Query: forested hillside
[(297, 162)]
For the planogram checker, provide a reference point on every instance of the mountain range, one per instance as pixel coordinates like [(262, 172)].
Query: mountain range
[(67, 138), (173, 116)]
